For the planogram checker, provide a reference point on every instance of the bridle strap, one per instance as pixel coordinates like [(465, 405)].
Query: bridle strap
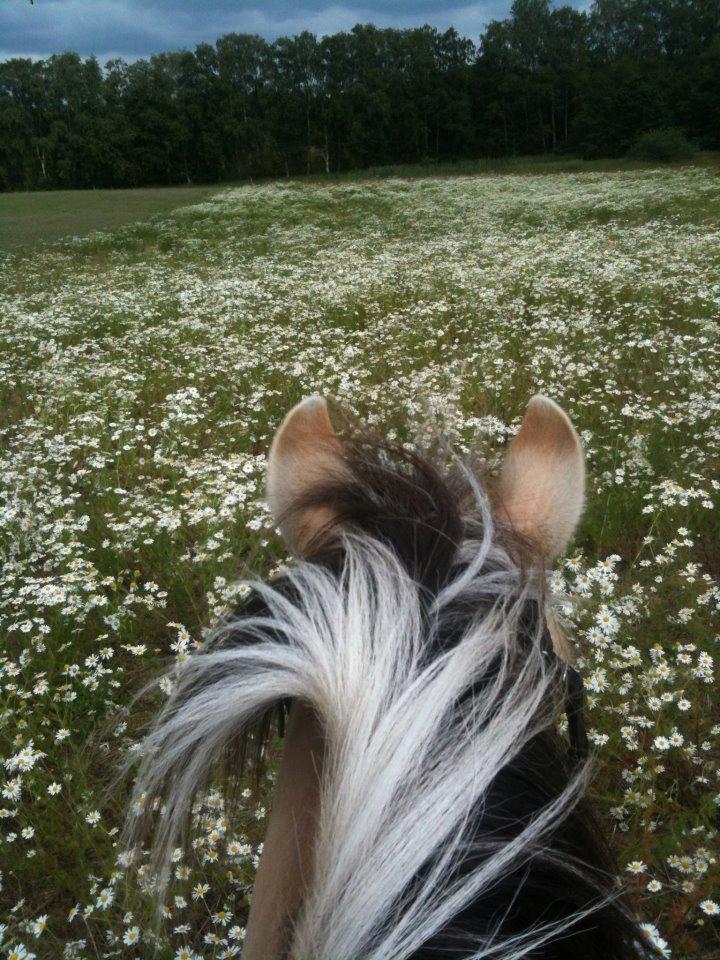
[(575, 711), (574, 699)]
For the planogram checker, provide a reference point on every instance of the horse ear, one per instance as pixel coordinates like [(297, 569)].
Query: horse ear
[(305, 454), (542, 483)]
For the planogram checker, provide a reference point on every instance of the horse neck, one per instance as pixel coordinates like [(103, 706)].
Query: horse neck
[(286, 863)]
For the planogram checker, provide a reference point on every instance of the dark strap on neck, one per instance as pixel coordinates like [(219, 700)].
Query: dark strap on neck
[(574, 698), (575, 710)]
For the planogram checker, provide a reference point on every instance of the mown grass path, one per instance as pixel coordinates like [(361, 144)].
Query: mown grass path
[(27, 219)]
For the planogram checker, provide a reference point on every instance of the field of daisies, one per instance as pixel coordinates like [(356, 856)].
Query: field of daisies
[(142, 374)]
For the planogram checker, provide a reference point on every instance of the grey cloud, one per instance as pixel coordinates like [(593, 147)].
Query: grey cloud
[(137, 28)]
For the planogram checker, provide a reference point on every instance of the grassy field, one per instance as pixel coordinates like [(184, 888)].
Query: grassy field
[(142, 374), (490, 166), (27, 219)]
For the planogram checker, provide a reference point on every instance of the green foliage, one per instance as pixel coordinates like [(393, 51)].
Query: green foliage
[(545, 80), (668, 145)]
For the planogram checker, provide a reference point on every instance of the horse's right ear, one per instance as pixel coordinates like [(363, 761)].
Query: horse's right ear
[(305, 455), (542, 483)]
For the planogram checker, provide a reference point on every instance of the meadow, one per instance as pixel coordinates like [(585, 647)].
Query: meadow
[(142, 375), (29, 219)]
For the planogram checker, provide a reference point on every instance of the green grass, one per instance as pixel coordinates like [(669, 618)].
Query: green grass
[(143, 373), (27, 219)]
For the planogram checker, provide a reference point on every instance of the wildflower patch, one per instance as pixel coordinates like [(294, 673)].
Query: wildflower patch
[(142, 376)]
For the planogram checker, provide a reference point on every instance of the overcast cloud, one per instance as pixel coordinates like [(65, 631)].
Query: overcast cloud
[(137, 28)]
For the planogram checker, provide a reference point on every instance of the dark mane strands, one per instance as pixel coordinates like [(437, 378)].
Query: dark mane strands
[(395, 496)]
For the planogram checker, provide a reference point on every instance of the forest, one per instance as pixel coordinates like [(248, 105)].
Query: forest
[(547, 79)]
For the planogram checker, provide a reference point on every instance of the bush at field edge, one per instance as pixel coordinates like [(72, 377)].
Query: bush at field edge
[(666, 145)]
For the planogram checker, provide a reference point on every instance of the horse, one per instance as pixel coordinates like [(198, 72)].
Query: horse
[(428, 805)]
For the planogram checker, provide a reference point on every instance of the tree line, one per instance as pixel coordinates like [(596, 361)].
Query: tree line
[(545, 80)]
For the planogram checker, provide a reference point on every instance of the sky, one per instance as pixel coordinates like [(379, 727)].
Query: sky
[(138, 28)]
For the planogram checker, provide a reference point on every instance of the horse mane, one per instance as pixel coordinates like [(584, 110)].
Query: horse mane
[(452, 822)]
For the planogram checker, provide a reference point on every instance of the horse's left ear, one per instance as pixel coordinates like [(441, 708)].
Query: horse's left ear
[(542, 483), (305, 455)]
